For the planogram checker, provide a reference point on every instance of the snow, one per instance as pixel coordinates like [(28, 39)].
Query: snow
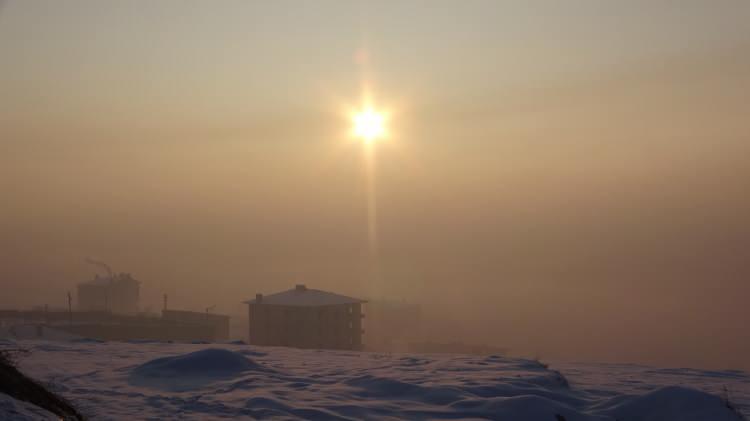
[(673, 402), (13, 409), (111, 380), (193, 370), (303, 296)]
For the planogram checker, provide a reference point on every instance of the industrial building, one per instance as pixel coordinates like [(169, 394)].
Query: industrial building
[(173, 325), (116, 293), (306, 318), (217, 323), (108, 309)]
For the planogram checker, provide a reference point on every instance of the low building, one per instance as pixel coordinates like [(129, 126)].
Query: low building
[(306, 318), (173, 325), (118, 293), (219, 323)]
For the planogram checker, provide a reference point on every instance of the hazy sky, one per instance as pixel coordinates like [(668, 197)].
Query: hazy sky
[(568, 179)]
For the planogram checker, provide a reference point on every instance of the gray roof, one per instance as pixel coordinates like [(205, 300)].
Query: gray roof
[(301, 296)]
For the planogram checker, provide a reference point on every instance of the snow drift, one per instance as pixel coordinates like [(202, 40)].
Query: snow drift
[(14, 409), (193, 381), (183, 372)]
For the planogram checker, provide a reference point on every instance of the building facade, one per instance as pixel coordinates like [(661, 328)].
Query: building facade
[(219, 323), (117, 294), (306, 318)]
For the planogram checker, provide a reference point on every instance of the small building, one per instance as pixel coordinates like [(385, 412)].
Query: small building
[(306, 318), (173, 325), (219, 323), (117, 293)]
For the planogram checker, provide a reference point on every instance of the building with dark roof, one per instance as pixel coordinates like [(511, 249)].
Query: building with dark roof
[(306, 318)]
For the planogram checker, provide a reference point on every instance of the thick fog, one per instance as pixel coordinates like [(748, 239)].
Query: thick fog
[(595, 211)]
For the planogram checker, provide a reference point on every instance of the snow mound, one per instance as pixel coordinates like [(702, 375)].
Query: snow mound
[(673, 402), (120, 380), (523, 407), (184, 372)]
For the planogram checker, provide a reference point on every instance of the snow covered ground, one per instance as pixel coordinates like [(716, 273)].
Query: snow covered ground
[(212, 381), (12, 409)]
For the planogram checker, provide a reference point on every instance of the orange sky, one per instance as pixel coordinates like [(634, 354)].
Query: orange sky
[(562, 180)]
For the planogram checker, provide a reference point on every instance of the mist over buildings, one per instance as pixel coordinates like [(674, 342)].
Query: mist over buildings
[(589, 206)]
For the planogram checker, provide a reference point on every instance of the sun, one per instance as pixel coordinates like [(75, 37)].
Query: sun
[(369, 124)]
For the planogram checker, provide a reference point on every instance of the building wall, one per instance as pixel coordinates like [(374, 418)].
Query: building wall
[(119, 296), (322, 327), (124, 296), (92, 297), (218, 322), (55, 316), (151, 331), (186, 326)]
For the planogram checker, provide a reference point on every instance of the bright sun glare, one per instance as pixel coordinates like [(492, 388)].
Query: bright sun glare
[(369, 124)]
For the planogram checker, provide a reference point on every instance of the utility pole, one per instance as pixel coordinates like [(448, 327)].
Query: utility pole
[(165, 303), (208, 311)]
